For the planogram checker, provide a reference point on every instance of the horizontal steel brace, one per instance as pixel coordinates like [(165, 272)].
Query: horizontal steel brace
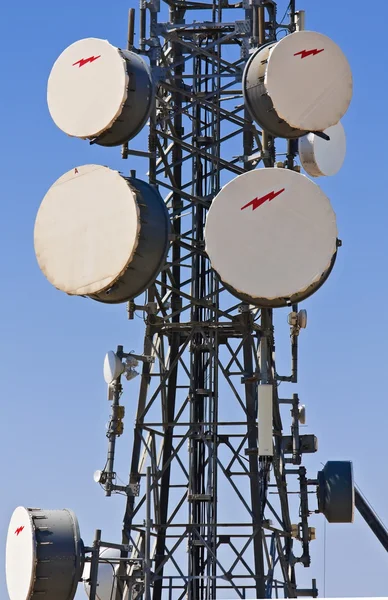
[(238, 27)]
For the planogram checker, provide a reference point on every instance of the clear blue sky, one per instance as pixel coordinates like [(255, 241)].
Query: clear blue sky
[(54, 409)]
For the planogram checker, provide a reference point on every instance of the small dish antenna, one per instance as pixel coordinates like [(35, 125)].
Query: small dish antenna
[(302, 414), (113, 367), (302, 318), (106, 574), (320, 157), (130, 371), (99, 477)]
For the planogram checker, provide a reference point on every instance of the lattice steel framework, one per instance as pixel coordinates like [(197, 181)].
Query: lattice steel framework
[(218, 521)]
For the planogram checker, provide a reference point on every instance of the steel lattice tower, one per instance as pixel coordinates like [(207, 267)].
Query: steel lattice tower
[(218, 500), (196, 421)]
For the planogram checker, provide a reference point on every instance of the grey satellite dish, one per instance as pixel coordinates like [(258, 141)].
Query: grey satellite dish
[(44, 555), (113, 367), (98, 92), (336, 492), (101, 235)]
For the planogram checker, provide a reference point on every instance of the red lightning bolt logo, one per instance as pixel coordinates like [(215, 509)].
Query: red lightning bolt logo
[(19, 530), (256, 202), (306, 53), (84, 61)]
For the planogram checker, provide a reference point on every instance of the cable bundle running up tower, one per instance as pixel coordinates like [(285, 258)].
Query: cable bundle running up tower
[(220, 236)]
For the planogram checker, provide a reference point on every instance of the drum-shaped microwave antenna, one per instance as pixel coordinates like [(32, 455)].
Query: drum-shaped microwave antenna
[(300, 84), (98, 92), (113, 367), (101, 235), (44, 555), (271, 237), (106, 575), (335, 492), (320, 157)]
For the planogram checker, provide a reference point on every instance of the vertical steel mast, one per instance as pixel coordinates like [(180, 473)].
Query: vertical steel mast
[(196, 422)]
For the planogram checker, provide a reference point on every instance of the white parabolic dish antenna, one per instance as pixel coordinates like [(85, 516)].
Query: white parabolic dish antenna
[(113, 367), (304, 80), (101, 235), (106, 572), (321, 157), (99, 92), (271, 236), (36, 568)]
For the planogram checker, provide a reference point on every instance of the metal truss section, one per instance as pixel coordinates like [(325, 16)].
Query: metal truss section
[(216, 522)]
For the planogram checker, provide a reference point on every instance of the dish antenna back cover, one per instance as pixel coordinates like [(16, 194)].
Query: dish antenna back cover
[(271, 236), (335, 492), (98, 92), (44, 555), (300, 84), (101, 235)]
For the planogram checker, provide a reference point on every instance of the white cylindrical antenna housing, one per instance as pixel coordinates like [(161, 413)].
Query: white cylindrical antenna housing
[(271, 237), (102, 235), (44, 554), (99, 92), (300, 20), (300, 84)]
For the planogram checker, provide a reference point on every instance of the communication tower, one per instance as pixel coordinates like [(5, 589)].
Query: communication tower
[(225, 230)]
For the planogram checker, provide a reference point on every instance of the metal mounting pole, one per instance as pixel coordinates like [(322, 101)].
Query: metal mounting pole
[(256, 474), (147, 545), (94, 565), (131, 28), (112, 432)]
